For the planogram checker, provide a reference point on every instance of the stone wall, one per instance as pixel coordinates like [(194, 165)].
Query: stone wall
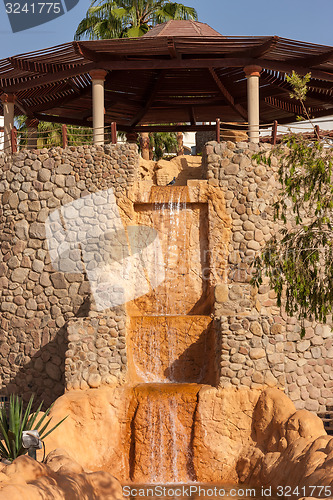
[(40, 305), (259, 343), (96, 352), (36, 300)]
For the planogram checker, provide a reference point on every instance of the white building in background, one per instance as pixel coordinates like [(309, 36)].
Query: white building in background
[(1, 133), (324, 123), (189, 142)]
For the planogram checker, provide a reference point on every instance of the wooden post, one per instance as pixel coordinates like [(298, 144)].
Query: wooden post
[(274, 132), (13, 139), (32, 136), (114, 133), (218, 130), (317, 130), (180, 142), (132, 137), (64, 136)]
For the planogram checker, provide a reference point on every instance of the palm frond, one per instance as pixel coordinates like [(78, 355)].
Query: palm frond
[(129, 18)]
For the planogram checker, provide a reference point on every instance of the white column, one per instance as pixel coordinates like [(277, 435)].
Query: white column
[(8, 101), (253, 74), (32, 125), (98, 78)]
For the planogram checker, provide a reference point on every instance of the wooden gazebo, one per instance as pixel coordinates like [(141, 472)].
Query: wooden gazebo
[(180, 72)]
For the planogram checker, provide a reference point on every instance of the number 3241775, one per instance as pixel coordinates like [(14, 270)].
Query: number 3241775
[(304, 491), (33, 8)]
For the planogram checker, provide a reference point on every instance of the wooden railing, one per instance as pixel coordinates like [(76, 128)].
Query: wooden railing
[(223, 127), (63, 136), (314, 133)]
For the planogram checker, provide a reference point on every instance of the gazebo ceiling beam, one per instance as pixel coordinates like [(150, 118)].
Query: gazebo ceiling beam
[(314, 60), (44, 106), (328, 99), (293, 117), (166, 128), (287, 106), (226, 94), (88, 54), (258, 51), (149, 98), (24, 109), (62, 119), (167, 102), (227, 62), (192, 116), (46, 79), (36, 67), (324, 112), (172, 49), (160, 64), (112, 97)]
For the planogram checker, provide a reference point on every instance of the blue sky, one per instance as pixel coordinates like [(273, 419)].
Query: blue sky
[(303, 20)]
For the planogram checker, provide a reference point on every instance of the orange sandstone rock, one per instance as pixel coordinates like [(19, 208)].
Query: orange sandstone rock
[(95, 434), (222, 429), (59, 478), (185, 432)]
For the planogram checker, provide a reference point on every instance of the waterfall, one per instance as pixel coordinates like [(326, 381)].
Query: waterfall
[(170, 217), (169, 347), (163, 433)]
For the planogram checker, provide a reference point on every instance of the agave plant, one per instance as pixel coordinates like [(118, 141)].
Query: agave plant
[(15, 420)]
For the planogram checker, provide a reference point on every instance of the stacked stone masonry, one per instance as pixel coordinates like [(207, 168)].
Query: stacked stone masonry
[(37, 301), (96, 352), (259, 343), (49, 335)]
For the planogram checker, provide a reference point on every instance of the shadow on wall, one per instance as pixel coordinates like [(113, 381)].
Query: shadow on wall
[(197, 363), (176, 349), (44, 374)]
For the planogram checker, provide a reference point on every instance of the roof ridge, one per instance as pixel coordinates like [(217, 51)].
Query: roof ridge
[(182, 27), (165, 25)]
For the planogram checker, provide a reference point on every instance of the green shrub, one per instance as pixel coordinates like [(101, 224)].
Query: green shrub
[(15, 420)]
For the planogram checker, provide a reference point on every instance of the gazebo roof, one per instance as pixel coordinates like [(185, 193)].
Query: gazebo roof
[(182, 28), (180, 71)]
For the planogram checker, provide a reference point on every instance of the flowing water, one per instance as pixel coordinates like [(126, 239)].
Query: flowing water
[(170, 217), (169, 347), (162, 432)]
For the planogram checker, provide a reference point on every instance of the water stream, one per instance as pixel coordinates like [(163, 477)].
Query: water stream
[(170, 217), (169, 348)]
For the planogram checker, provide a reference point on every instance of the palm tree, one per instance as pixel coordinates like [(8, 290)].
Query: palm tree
[(133, 18), (128, 18), (50, 134)]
